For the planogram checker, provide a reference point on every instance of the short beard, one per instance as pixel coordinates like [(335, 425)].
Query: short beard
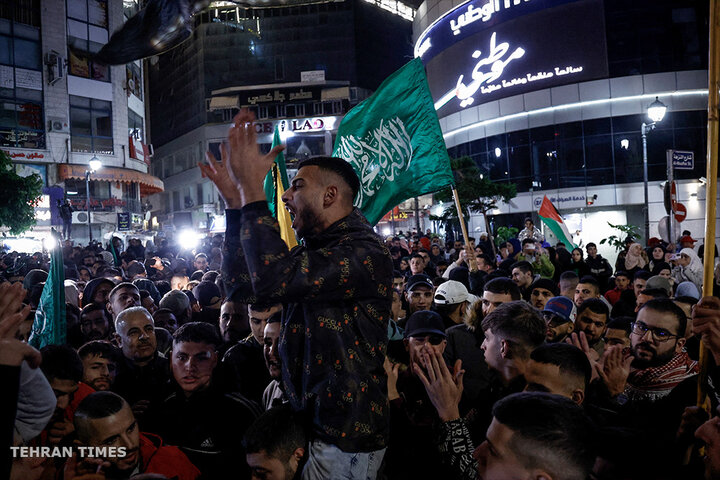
[(655, 361), (310, 222)]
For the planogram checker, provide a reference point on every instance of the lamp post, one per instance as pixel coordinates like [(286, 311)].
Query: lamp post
[(93, 165), (656, 112)]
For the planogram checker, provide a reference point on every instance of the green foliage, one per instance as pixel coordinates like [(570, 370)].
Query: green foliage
[(19, 196), (476, 194), (505, 233), (618, 241)]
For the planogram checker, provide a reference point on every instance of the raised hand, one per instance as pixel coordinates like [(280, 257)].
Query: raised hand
[(580, 341), (443, 387), (392, 370), (706, 322), (246, 163), (614, 369), (221, 175), (13, 351)]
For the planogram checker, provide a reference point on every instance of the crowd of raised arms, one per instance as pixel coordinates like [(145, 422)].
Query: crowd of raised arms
[(356, 357)]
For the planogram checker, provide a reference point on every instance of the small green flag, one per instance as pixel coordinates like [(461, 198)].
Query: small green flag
[(394, 142), (269, 185), (50, 327)]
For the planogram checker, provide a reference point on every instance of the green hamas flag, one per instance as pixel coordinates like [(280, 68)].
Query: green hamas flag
[(49, 327), (394, 142)]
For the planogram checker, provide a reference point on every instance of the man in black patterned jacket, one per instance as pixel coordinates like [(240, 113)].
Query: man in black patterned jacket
[(336, 289)]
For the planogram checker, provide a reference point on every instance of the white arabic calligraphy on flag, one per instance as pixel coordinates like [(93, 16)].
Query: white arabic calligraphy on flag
[(381, 154)]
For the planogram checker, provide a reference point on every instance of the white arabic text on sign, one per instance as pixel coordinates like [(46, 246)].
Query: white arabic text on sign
[(490, 69), (683, 159), (31, 79)]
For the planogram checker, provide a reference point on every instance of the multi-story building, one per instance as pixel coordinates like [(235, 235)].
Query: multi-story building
[(552, 95), (61, 109), (299, 68)]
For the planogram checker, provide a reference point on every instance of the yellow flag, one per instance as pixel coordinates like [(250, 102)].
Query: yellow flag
[(283, 216)]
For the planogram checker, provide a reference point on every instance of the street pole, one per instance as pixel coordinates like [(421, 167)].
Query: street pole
[(671, 179), (87, 192), (644, 129)]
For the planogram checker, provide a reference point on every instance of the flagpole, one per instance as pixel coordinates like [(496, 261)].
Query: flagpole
[(711, 175), (472, 260)]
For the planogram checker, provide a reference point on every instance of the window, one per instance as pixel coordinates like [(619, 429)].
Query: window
[(133, 79), (135, 125), (91, 125), (87, 31), (21, 98)]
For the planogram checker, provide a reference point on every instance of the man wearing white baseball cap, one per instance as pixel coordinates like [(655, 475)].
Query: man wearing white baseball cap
[(452, 300)]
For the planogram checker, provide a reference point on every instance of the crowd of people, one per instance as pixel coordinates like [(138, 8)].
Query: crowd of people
[(351, 356)]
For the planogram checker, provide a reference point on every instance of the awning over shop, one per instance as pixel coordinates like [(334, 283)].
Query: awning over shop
[(223, 103), (149, 184)]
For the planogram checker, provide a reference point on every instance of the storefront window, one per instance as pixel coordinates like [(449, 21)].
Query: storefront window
[(593, 152)]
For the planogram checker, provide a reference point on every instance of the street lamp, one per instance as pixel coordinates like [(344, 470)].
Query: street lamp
[(93, 165), (656, 112)]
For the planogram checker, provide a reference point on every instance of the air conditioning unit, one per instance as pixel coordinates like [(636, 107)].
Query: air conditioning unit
[(56, 67), (58, 124), (80, 217)]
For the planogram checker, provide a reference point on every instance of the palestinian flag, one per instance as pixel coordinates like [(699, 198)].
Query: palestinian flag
[(550, 216)]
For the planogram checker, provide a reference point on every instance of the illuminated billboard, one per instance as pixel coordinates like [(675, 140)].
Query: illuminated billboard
[(486, 60)]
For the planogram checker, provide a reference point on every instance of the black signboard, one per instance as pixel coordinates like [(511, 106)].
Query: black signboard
[(552, 47), (123, 222)]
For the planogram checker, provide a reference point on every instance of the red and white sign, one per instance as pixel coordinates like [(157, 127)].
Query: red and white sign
[(680, 212), (25, 155), (138, 149)]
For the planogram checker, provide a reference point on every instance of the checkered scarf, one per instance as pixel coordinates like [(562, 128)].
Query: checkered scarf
[(656, 382)]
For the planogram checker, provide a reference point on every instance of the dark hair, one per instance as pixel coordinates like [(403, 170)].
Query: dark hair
[(549, 432), (121, 286), (642, 274), (518, 322), (621, 323), (665, 305), (102, 348), (337, 166), (278, 432), (591, 244), (94, 307), (595, 305), (417, 255), (503, 286), (201, 255), (569, 275), (528, 219), (655, 292), (570, 359), (523, 265), (527, 240), (61, 362), (622, 273), (590, 280), (96, 405), (487, 259), (198, 332)]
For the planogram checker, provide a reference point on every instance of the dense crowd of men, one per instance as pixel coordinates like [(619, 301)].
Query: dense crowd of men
[(351, 356)]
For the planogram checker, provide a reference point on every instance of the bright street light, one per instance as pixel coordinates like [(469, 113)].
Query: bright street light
[(656, 110)]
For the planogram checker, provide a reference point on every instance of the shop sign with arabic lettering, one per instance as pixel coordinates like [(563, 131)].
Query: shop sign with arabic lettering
[(488, 61)]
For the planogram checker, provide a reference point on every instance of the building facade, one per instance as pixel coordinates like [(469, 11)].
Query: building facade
[(551, 95), (61, 109), (299, 69)]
